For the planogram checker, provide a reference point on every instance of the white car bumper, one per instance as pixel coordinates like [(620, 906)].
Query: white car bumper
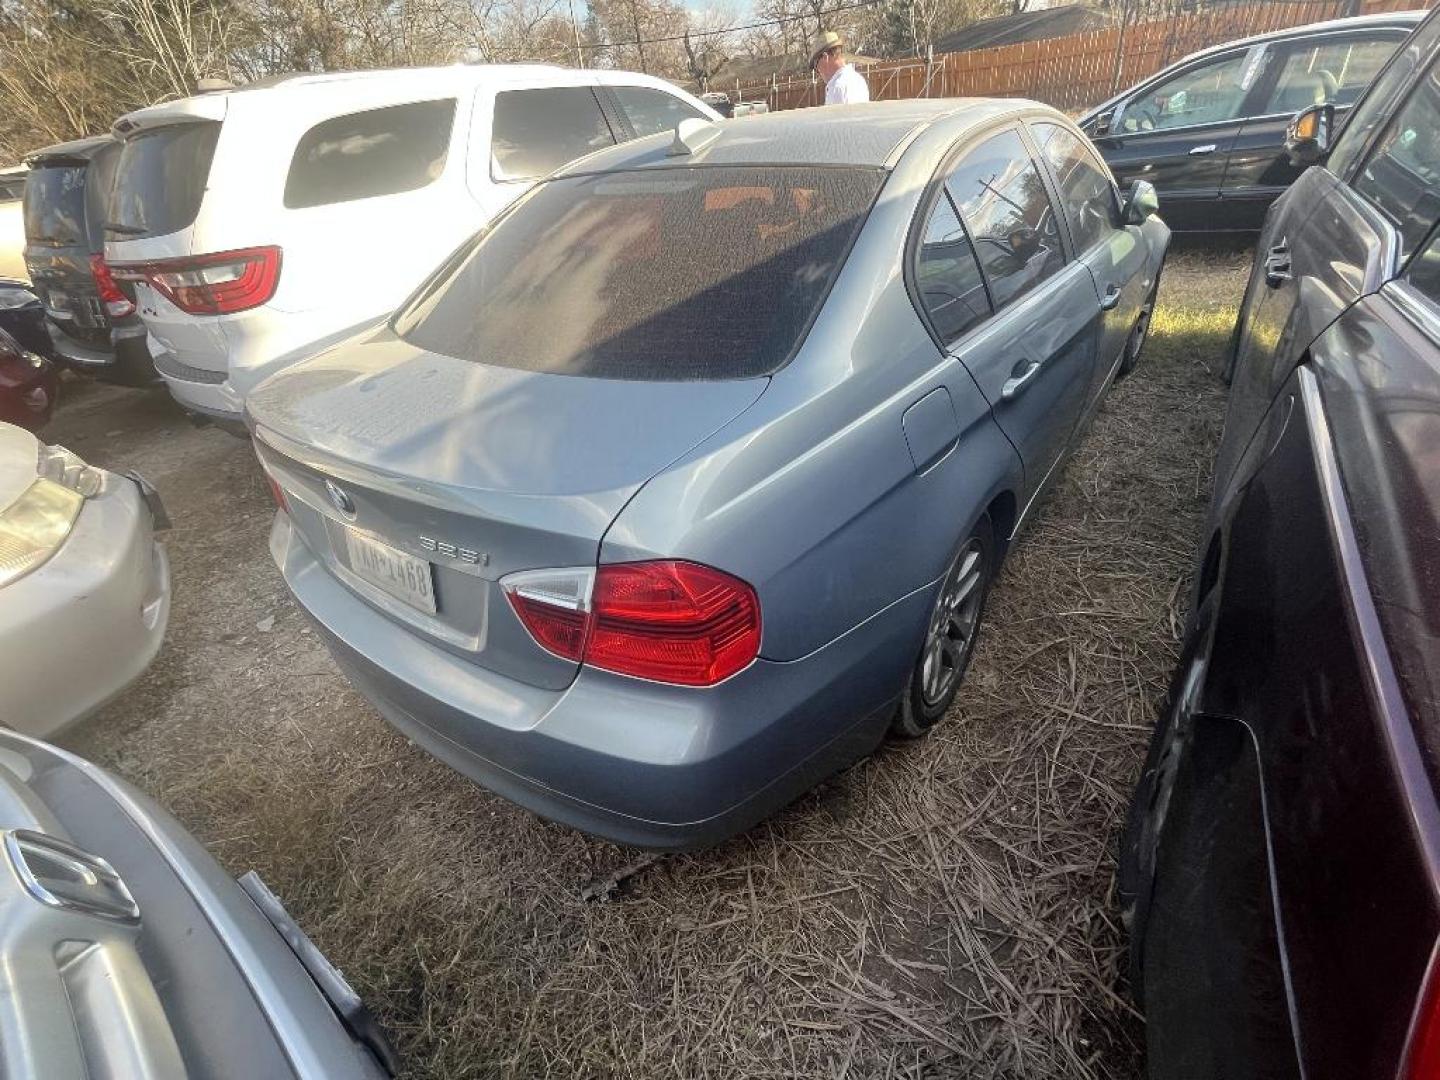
[(84, 625)]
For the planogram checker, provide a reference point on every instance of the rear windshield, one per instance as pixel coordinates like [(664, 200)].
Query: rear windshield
[(55, 205), (662, 274), (161, 178)]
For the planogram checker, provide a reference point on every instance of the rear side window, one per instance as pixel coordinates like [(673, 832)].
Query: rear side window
[(657, 274), (1002, 198), (376, 152), (651, 111), (1402, 174), (537, 131), (161, 178), (55, 205), (1086, 191), (1334, 71), (11, 188), (947, 277)]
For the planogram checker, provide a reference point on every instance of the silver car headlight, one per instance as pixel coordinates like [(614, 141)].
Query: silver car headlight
[(33, 527)]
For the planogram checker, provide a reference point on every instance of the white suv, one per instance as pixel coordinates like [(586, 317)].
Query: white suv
[(260, 224)]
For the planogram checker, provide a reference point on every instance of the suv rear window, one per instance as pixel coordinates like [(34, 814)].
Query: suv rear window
[(55, 205), (161, 178), (659, 274), (376, 152)]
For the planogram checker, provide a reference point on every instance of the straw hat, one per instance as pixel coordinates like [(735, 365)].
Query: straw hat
[(826, 40)]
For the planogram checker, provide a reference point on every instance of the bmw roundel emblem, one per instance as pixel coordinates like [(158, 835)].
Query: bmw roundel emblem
[(340, 498)]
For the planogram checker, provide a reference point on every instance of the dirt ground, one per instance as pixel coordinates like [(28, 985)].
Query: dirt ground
[(945, 909)]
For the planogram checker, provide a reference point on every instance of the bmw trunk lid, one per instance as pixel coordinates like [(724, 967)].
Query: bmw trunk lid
[(476, 470)]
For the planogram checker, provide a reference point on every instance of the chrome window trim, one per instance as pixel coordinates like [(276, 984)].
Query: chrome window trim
[(1415, 305)]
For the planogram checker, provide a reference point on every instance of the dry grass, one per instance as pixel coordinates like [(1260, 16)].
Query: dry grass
[(943, 910)]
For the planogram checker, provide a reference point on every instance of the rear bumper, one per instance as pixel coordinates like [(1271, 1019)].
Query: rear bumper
[(635, 762), (198, 391), (126, 360), (85, 624)]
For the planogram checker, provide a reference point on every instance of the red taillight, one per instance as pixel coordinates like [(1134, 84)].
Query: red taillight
[(670, 621), (561, 630), (116, 302), (220, 284), (1423, 1056)]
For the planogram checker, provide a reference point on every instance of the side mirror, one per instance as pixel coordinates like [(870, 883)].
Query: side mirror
[(1307, 138), (1100, 126), (1142, 203)]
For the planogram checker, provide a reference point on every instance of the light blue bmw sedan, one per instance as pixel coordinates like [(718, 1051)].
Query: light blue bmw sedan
[(683, 484)]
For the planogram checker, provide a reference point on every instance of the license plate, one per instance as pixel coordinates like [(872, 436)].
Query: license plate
[(402, 576)]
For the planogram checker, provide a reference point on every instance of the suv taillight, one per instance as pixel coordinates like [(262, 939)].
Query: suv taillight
[(117, 304), (669, 621), (219, 284)]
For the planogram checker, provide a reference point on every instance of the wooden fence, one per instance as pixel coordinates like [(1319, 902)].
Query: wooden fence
[(1070, 72)]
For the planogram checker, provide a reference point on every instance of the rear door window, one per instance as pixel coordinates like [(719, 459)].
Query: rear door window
[(1003, 200), (947, 276), (11, 188), (55, 205), (657, 274), (1402, 174), (375, 152), (1333, 71), (536, 131), (160, 179), (1092, 206), (651, 111)]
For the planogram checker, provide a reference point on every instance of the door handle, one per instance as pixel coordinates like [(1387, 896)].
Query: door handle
[(1111, 297), (1016, 384), (1208, 148), (1277, 265)]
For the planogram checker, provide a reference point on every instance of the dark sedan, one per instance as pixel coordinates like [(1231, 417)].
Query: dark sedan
[(1282, 859), (1209, 131)]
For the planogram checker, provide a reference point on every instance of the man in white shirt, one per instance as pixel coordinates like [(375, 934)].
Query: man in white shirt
[(843, 84)]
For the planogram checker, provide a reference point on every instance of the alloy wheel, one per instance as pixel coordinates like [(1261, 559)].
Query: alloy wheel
[(951, 635)]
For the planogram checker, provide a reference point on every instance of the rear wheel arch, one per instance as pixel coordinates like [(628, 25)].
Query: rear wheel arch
[(1002, 511)]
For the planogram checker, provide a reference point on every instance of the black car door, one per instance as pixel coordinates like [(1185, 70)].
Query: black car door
[(1177, 133), (1307, 71)]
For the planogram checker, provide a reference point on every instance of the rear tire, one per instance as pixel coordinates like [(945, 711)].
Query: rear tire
[(950, 634)]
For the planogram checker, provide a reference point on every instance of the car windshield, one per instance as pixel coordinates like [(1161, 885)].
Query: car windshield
[(661, 274), (55, 205)]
